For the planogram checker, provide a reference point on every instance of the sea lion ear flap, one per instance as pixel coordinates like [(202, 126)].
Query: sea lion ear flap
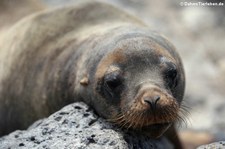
[(84, 81)]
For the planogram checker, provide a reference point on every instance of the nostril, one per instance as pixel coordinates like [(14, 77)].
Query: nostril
[(156, 99), (147, 100), (152, 101)]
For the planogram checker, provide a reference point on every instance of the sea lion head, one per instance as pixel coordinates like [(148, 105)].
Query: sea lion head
[(139, 84)]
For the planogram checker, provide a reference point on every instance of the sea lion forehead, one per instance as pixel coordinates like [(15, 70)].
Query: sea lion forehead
[(130, 49), (144, 47)]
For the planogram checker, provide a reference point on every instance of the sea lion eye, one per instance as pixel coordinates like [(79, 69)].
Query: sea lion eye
[(171, 75), (113, 80)]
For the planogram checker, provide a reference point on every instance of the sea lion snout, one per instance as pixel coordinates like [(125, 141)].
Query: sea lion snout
[(149, 96), (158, 110), (153, 100)]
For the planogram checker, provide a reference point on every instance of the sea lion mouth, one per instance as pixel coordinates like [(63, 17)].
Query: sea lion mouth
[(142, 120), (151, 111)]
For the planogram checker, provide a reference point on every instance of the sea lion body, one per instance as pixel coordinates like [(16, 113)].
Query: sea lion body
[(91, 52)]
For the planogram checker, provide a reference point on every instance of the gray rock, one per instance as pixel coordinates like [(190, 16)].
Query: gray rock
[(76, 126), (215, 145)]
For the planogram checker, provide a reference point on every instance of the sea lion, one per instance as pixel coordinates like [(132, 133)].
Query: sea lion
[(91, 52)]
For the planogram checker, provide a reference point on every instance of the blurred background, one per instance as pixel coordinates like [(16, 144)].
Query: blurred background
[(198, 33)]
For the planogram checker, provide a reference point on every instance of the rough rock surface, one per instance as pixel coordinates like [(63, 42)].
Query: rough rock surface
[(215, 145), (76, 126)]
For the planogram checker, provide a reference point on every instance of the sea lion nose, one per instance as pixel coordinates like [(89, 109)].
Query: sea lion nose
[(152, 101)]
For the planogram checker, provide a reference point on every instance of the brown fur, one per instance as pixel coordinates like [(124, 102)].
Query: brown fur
[(115, 57)]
